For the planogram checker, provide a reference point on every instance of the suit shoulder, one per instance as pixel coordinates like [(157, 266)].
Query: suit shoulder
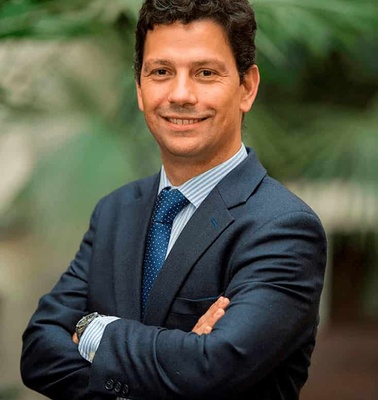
[(278, 199)]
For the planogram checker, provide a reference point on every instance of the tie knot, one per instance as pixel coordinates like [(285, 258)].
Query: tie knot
[(168, 204)]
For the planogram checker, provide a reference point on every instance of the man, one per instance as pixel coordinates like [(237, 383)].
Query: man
[(234, 234)]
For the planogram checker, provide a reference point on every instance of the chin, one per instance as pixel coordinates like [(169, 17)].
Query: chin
[(183, 152), (182, 147)]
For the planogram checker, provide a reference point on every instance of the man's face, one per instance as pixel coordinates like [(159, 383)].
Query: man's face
[(190, 92)]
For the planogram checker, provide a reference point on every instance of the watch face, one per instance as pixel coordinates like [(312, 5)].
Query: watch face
[(84, 322)]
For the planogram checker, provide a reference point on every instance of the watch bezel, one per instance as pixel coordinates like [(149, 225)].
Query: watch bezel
[(84, 322)]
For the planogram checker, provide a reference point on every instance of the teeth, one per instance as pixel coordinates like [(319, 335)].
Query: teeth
[(183, 121)]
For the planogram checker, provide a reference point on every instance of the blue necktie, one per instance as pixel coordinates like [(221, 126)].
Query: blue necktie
[(168, 204)]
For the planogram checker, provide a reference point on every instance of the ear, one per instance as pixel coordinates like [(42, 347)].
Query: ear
[(139, 96), (249, 87)]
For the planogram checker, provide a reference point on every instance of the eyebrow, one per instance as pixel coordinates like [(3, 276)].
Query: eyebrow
[(211, 63), (155, 62), (214, 63)]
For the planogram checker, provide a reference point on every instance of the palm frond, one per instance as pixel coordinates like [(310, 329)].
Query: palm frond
[(57, 19), (319, 26)]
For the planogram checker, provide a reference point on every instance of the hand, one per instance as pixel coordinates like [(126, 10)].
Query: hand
[(75, 339), (216, 311)]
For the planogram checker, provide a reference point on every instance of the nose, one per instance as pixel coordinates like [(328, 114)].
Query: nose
[(182, 90)]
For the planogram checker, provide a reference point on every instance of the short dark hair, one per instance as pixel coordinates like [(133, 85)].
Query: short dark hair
[(236, 17)]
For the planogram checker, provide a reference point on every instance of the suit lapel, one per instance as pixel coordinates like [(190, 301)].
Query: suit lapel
[(205, 226), (129, 249)]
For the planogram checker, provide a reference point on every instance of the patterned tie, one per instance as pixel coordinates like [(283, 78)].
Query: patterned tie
[(169, 203)]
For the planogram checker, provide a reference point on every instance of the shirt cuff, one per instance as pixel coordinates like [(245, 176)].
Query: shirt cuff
[(91, 338)]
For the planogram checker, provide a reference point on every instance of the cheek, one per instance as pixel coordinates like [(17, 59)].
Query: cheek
[(226, 98), (152, 101)]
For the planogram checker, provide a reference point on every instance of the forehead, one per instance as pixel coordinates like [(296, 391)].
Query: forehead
[(193, 40)]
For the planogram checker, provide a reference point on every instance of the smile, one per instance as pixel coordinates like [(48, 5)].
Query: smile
[(180, 121)]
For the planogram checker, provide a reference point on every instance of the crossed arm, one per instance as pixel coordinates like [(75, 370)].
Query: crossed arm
[(274, 296), (206, 322)]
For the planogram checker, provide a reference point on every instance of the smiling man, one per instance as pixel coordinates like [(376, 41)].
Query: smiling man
[(204, 280), (191, 94)]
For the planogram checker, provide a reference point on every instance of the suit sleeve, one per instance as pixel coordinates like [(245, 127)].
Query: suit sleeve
[(275, 285), (50, 361)]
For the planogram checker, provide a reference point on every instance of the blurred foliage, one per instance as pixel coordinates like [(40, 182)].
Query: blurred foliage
[(315, 117), (51, 19)]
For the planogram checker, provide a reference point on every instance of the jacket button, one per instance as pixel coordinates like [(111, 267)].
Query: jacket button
[(109, 384), (125, 390), (118, 387)]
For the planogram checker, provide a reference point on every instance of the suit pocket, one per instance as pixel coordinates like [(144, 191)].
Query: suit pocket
[(185, 313)]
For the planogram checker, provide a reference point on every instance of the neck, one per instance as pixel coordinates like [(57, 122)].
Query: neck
[(181, 169), (180, 173)]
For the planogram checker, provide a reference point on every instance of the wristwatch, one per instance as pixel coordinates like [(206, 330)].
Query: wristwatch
[(81, 326)]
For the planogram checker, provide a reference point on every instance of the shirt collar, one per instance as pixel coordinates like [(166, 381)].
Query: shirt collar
[(197, 188)]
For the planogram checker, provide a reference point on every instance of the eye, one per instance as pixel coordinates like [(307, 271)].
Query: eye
[(206, 73), (160, 72)]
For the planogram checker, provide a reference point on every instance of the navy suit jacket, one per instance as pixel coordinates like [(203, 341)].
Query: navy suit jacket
[(250, 240)]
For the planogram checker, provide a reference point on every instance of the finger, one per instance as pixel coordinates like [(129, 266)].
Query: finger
[(212, 316), (75, 339), (221, 303), (213, 319), (207, 327), (212, 309), (208, 330)]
